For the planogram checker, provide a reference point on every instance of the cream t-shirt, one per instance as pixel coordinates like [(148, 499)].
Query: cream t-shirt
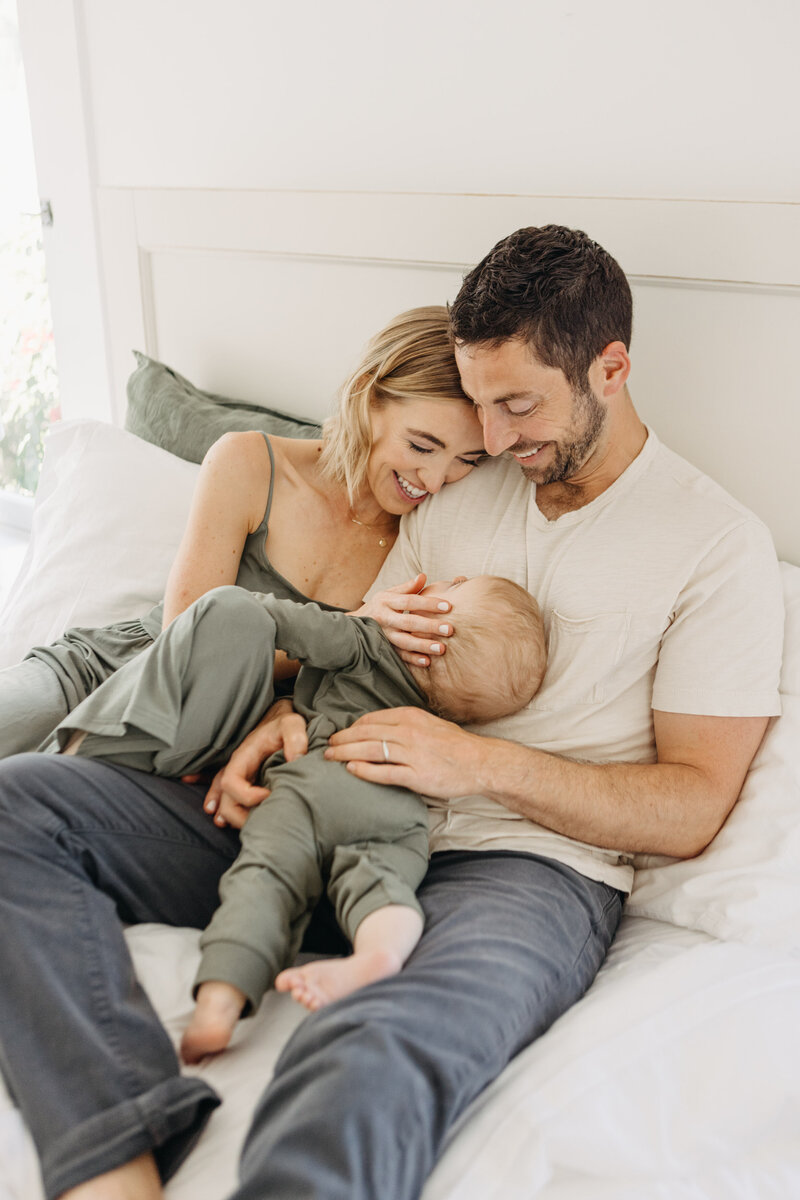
[(662, 593)]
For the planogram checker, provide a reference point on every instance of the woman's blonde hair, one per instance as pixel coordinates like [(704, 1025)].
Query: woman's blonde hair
[(412, 358)]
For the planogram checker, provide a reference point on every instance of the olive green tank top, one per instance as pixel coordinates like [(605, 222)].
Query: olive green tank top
[(256, 573)]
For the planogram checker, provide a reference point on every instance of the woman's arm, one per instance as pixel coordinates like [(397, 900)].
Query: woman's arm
[(228, 504)]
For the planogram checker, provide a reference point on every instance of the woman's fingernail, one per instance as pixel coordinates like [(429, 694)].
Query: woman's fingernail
[(436, 647), (444, 629), (443, 606), (422, 662)]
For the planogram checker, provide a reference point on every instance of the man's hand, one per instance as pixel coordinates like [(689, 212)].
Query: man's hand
[(401, 614), (425, 753), (232, 793)]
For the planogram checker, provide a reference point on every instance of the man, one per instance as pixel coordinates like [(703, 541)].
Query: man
[(639, 741), (647, 575)]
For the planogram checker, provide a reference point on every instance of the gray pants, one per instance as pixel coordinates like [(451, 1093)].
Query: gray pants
[(510, 942)]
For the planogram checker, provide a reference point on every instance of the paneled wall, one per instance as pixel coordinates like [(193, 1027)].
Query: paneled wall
[(694, 98), (670, 132)]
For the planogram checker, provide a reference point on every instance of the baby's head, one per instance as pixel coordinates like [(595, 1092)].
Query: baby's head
[(495, 660)]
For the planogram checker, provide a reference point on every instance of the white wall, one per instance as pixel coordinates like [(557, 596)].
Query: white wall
[(688, 99), (685, 98)]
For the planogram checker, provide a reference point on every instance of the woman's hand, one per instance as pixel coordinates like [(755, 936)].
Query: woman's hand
[(232, 793), (410, 621)]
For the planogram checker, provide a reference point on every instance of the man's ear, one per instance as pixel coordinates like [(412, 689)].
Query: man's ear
[(612, 367)]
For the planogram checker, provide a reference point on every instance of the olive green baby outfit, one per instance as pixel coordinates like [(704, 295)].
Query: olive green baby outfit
[(187, 702)]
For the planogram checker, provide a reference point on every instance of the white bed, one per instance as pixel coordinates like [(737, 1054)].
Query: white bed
[(677, 1077)]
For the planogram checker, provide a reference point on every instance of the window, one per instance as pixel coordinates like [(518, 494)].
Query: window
[(28, 381)]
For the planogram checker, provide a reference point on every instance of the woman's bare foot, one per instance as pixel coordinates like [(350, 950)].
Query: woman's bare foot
[(219, 1006), (321, 982)]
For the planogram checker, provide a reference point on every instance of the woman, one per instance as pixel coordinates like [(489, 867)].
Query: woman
[(304, 519)]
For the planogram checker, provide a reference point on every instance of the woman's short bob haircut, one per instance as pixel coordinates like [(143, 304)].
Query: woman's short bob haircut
[(411, 359)]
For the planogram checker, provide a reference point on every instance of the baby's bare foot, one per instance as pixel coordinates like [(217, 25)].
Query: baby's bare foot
[(218, 1008), (321, 982)]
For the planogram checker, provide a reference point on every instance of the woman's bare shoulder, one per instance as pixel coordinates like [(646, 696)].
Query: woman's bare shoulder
[(297, 456), (236, 470)]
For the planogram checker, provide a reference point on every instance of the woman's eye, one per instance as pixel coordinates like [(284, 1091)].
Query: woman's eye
[(421, 449)]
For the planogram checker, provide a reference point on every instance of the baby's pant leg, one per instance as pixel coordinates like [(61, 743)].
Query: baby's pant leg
[(378, 836), (266, 897), (192, 698), (370, 875)]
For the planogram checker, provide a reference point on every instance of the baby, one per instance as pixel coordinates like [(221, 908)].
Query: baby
[(190, 699)]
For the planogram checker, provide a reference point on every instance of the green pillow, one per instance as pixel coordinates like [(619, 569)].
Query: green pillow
[(169, 411)]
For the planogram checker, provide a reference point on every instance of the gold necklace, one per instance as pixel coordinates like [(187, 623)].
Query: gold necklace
[(369, 525)]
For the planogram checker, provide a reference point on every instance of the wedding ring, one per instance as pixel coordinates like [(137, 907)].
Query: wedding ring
[(385, 752)]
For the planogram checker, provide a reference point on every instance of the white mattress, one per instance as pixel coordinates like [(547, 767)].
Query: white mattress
[(677, 1077)]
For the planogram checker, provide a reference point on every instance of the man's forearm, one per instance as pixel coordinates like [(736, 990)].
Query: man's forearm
[(655, 808), (674, 806)]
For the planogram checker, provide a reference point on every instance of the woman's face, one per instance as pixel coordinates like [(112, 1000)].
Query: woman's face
[(417, 447)]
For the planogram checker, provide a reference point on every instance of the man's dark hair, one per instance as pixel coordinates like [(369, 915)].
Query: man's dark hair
[(554, 288)]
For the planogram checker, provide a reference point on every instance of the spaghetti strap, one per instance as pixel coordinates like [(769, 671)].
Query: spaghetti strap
[(271, 479)]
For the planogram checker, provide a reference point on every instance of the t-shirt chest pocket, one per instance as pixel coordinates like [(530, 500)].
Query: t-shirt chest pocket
[(582, 654)]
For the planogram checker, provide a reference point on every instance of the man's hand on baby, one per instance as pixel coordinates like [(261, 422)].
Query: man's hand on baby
[(412, 623), (233, 793), (411, 748)]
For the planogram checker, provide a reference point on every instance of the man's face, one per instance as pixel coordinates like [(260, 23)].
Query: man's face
[(531, 410)]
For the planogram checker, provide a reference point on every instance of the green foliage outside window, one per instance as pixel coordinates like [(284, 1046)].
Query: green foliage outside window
[(29, 400)]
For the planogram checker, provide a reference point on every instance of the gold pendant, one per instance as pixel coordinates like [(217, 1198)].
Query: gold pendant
[(381, 541)]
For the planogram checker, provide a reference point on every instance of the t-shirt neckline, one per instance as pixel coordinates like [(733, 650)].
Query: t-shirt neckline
[(621, 484)]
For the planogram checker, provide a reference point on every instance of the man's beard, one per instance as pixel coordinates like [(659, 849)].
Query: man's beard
[(569, 455)]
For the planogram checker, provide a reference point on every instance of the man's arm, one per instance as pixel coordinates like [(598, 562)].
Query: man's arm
[(674, 806)]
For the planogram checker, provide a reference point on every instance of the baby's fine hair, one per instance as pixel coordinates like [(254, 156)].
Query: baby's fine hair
[(495, 661)]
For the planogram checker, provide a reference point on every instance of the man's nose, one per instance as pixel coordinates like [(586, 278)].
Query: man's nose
[(498, 433)]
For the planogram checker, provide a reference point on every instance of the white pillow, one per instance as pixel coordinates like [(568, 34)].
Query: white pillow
[(746, 885), (109, 514)]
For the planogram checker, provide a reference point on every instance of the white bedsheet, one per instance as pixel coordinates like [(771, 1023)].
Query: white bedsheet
[(677, 1077)]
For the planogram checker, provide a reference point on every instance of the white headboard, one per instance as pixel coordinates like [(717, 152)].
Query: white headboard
[(269, 296)]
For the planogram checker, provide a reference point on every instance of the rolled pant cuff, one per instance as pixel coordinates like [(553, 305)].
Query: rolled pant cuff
[(241, 966), (167, 1121), (375, 899)]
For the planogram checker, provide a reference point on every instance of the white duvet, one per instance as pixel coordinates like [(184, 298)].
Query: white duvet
[(677, 1077)]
